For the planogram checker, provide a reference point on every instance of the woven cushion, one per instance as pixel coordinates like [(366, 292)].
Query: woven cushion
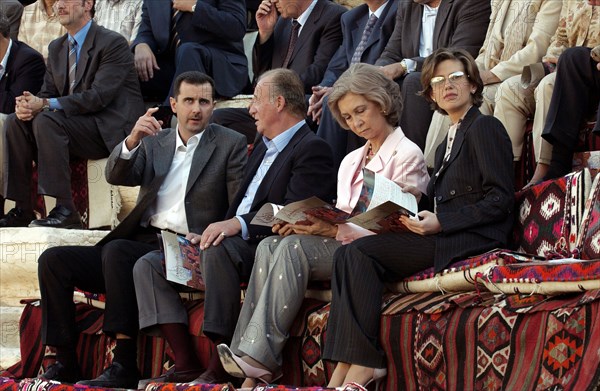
[(458, 276), (589, 235), (545, 277), (549, 214)]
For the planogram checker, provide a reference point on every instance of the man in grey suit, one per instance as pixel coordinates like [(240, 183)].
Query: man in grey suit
[(13, 10), (423, 26), (188, 177), (88, 103)]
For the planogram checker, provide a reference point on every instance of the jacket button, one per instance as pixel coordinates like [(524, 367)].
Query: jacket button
[(439, 198), (496, 198), (452, 192), (469, 188)]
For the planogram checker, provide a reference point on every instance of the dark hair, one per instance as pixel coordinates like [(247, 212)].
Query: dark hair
[(194, 78), (93, 10), (368, 81), (4, 26), (287, 83), (440, 55)]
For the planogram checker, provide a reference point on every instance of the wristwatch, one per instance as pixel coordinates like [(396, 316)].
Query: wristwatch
[(45, 104), (404, 66)]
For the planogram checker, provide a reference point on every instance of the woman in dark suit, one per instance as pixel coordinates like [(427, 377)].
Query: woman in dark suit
[(471, 201)]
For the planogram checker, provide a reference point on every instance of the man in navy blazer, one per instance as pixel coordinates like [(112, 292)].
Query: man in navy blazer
[(191, 35), (319, 37), (354, 23), (21, 69), (458, 24), (288, 163)]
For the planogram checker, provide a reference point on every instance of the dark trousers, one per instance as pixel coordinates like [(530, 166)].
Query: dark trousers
[(224, 267), (360, 270), (416, 112), (99, 269), (576, 94), (51, 139)]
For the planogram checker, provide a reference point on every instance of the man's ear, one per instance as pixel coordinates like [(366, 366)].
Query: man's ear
[(280, 103), (173, 103)]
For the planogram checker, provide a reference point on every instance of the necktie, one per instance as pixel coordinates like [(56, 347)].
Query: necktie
[(72, 64), (362, 45), (175, 41), (292, 45)]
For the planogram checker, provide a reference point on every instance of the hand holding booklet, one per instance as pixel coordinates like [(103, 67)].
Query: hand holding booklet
[(381, 204), (182, 260)]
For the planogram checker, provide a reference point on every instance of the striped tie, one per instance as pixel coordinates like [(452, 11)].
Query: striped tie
[(175, 41), (293, 38), (72, 63), (362, 45)]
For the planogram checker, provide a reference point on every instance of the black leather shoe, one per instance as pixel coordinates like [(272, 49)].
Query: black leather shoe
[(60, 373), (16, 217), (115, 376), (59, 217), (171, 376)]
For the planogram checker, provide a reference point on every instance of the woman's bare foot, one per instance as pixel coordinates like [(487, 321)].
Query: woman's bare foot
[(338, 375), (359, 374)]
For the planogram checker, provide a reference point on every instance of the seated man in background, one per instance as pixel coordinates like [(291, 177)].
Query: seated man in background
[(188, 178), (574, 98), (301, 35), (40, 26), (12, 9), (88, 103), (178, 36), (366, 30), (21, 69), (288, 163)]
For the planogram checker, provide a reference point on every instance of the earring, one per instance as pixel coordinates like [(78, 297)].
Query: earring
[(384, 112), (473, 91)]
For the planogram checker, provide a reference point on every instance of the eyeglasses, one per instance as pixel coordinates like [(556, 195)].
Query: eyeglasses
[(454, 77)]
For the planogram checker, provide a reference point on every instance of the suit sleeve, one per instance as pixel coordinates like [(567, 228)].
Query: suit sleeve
[(312, 174), (116, 62), (391, 54), (235, 168), (144, 33), (492, 150), (337, 66), (126, 172), (226, 18), (330, 40), (27, 75)]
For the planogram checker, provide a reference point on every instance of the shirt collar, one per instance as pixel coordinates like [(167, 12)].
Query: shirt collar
[(379, 10), (5, 59), (428, 11), (304, 16), (179, 141), (80, 36), (282, 140)]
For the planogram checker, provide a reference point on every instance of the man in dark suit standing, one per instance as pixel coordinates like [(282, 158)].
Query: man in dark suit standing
[(88, 103), (21, 69), (183, 35), (366, 30), (288, 163), (423, 26), (188, 178), (301, 35)]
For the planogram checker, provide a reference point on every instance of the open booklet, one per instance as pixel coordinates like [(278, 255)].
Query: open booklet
[(182, 260), (379, 208)]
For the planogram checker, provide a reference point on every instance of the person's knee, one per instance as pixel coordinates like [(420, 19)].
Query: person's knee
[(113, 255), (142, 270), (48, 260), (575, 55)]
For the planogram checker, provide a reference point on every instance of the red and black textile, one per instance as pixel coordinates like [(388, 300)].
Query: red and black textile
[(8, 384), (517, 342), (589, 242), (187, 387)]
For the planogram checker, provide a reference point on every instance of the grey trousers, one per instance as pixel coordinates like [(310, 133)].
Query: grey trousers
[(223, 268), (282, 269), (158, 299)]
